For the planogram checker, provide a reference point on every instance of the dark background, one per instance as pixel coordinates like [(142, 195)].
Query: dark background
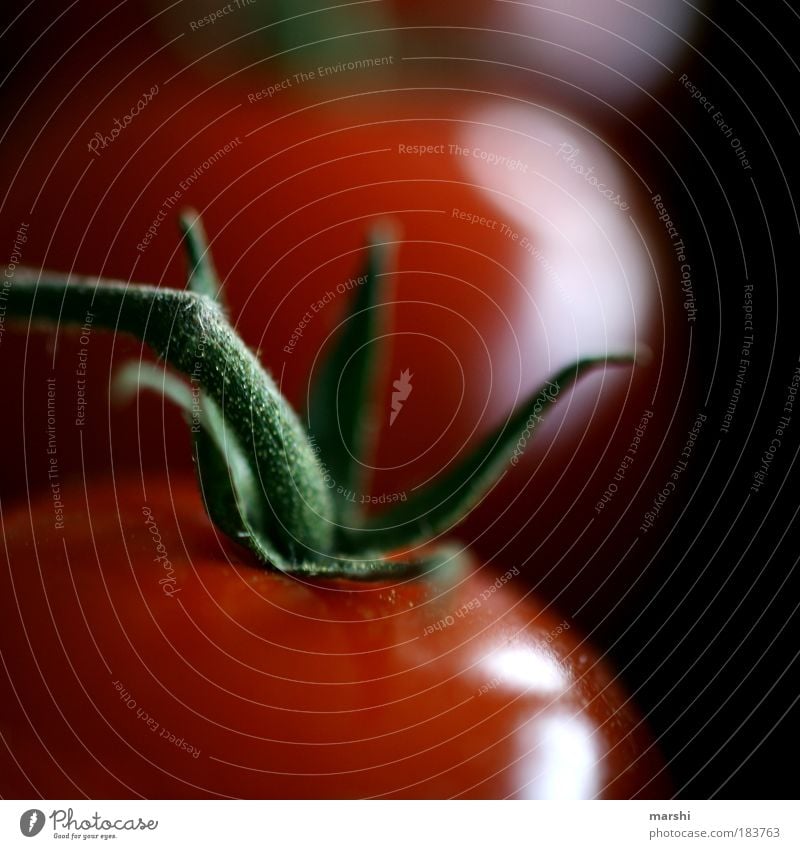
[(721, 675), (713, 657)]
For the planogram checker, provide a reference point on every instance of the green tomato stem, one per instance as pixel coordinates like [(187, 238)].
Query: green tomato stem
[(262, 481), (190, 332)]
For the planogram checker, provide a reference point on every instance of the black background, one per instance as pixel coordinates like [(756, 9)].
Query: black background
[(725, 693)]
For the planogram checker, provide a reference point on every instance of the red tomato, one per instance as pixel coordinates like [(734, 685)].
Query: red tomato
[(210, 676), (514, 255), (144, 656)]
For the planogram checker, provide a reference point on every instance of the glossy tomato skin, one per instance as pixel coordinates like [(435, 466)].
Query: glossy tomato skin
[(199, 674)]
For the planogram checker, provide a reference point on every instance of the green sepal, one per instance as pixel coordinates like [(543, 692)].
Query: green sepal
[(228, 486), (341, 399), (202, 275), (231, 493), (450, 497)]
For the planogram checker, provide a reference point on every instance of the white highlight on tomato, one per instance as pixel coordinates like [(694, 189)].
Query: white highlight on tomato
[(569, 203), (533, 671), (563, 760)]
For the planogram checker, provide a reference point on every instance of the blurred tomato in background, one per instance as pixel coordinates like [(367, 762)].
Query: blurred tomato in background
[(568, 52)]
